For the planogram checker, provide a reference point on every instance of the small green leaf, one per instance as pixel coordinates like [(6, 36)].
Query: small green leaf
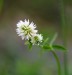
[(45, 41), (46, 47), (53, 39), (58, 47), (30, 46)]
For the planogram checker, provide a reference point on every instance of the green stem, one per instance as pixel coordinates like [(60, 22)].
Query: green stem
[(58, 62), (64, 33)]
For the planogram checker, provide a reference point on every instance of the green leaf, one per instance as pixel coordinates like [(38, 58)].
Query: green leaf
[(58, 47), (45, 41), (46, 47), (53, 39), (30, 46)]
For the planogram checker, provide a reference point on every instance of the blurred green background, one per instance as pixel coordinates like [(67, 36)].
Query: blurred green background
[(15, 58)]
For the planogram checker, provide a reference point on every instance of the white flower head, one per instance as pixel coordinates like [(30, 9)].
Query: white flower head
[(25, 29), (36, 39)]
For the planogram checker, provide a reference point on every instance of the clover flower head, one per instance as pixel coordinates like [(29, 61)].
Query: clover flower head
[(25, 29), (28, 32), (36, 39)]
